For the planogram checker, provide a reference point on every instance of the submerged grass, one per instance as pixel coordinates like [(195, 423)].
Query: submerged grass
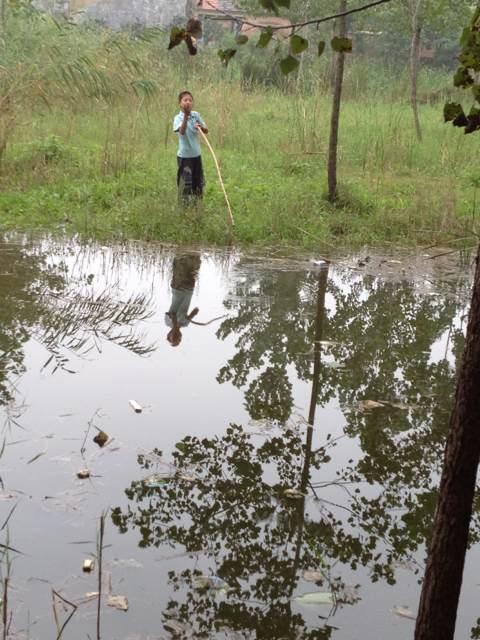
[(106, 167)]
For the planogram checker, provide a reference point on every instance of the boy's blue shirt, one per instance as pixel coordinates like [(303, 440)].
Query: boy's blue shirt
[(189, 143)]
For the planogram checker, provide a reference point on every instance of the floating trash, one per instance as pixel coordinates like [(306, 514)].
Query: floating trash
[(157, 480), (118, 602), (404, 612), (88, 566), (101, 438), (209, 582), (316, 597), (313, 576), (135, 406)]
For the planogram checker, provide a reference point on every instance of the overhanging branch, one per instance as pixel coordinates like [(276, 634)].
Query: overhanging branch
[(298, 25)]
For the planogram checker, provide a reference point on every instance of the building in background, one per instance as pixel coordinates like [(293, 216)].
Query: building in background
[(120, 13)]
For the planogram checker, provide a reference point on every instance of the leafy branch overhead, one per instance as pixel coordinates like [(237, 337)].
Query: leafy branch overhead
[(467, 77), (298, 44), (189, 35)]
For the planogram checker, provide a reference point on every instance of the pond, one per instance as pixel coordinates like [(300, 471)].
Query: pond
[(259, 440)]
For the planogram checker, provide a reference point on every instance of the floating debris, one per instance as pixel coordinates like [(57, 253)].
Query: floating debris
[(135, 406), (83, 474), (88, 566), (316, 597), (118, 602), (313, 576), (209, 582), (101, 438), (293, 494), (404, 612), (157, 480), (368, 405), (39, 455), (175, 627)]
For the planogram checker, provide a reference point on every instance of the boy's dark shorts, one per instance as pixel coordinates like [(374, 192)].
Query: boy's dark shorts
[(190, 178)]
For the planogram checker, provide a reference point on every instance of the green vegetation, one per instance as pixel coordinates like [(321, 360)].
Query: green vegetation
[(86, 145)]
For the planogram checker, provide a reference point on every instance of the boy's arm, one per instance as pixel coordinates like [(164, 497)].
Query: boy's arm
[(183, 126)]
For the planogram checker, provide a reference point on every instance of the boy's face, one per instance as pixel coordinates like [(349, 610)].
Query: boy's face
[(186, 103)]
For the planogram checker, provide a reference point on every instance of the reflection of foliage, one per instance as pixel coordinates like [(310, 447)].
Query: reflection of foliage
[(22, 279), (275, 329), (228, 503), (78, 324), (382, 334), (38, 302)]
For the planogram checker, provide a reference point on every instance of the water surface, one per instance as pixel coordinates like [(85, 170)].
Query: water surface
[(280, 479)]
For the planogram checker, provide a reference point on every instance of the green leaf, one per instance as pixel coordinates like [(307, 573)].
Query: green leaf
[(226, 55), (241, 39), (476, 92), (298, 44), (177, 35), (451, 110), (321, 47), (462, 78), (283, 3), (342, 45), (265, 38), (289, 64)]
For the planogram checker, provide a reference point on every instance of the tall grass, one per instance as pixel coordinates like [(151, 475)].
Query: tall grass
[(89, 145)]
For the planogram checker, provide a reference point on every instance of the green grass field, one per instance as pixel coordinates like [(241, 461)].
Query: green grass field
[(106, 167)]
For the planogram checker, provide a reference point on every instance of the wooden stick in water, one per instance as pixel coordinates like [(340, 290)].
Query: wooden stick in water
[(207, 142)]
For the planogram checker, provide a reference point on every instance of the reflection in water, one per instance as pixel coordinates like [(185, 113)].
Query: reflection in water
[(185, 272), (263, 514), (254, 516), (66, 315), (184, 277)]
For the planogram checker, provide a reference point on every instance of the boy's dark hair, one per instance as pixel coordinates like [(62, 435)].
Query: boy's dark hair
[(184, 93)]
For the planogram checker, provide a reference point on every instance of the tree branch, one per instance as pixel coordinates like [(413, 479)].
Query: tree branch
[(299, 25)]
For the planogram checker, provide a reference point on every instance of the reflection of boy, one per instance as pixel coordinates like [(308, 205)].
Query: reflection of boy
[(185, 271)]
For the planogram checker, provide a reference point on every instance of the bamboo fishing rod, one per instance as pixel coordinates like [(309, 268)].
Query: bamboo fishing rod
[(207, 142)]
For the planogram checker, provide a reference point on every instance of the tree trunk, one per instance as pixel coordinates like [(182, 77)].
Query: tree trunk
[(415, 63), (335, 117), (443, 574)]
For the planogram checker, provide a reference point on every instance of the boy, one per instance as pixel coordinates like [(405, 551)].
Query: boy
[(190, 180)]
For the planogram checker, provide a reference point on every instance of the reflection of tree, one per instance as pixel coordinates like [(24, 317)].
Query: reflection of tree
[(22, 279), (237, 516), (241, 507), (38, 301), (381, 338), (274, 328)]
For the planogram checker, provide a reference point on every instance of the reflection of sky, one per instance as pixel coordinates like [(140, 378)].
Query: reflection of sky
[(178, 388)]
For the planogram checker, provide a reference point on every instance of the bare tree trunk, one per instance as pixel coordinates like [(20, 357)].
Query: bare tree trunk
[(335, 117), (415, 63), (444, 570)]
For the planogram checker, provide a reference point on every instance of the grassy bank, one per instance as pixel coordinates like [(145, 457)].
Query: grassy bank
[(105, 165)]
